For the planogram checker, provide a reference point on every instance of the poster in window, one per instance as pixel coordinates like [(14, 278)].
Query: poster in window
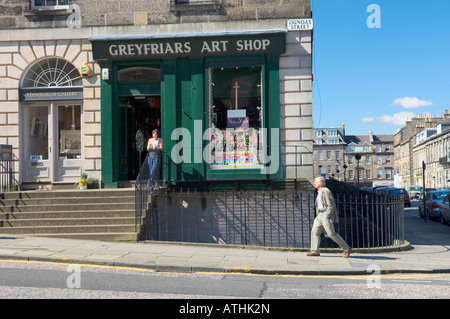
[(70, 142)]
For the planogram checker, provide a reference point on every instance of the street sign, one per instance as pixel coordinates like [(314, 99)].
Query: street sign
[(300, 24)]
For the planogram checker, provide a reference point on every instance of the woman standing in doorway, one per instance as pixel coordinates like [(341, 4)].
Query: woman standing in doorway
[(155, 144)]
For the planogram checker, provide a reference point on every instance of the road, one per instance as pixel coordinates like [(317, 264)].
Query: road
[(50, 280), (30, 280)]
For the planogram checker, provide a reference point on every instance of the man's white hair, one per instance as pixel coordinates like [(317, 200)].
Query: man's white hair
[(321, 180)]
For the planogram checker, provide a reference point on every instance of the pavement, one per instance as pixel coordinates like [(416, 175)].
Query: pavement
[(426, 250)]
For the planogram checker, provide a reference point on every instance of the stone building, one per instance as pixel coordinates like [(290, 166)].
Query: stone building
[(376, 163), (328, 155), (404, 143), (432, 148), (336, 153), (78, 78)]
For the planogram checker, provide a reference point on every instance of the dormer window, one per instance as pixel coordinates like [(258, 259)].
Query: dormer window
[(49, 4)]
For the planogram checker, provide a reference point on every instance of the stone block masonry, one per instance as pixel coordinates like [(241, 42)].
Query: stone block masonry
[(15, 58)]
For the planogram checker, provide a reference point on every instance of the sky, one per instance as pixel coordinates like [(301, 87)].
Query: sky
[(377, 78)]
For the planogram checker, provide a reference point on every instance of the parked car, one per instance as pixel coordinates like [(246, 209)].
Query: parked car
[(399, 191), (444, 209), (383, 190), (414, 191), (432, 201)]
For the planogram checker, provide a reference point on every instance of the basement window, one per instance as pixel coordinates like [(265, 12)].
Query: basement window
[(194, 5)]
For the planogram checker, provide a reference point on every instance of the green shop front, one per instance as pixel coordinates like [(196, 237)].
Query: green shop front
[(215, 98)]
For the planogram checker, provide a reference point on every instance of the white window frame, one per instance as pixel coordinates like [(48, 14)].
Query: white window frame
[(332, 132), (388, 173), (320, 155), (337, 155), (49, 7)]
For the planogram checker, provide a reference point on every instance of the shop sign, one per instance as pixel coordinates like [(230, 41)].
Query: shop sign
[(51, 94), (270, 43)]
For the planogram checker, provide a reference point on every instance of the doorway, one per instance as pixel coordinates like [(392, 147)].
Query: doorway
[(138, 113), (52, 142)]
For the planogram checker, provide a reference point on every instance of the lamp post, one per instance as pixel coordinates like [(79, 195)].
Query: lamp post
[(357, 157), (345, 172)]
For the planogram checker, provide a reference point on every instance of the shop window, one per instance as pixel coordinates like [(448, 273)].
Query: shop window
[(235, 117), (49, 4), (139, 74), (69, 131), (37, 133)]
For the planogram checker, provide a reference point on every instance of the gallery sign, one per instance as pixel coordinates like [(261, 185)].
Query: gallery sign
[(125, 48), (51, 94)]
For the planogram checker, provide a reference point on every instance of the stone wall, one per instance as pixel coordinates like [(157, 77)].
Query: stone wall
[(18, 14), (296, 106), (27, 36), (15, 58)]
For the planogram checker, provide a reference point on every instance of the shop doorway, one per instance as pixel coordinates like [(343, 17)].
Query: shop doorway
[(138, 113), (52, 142)]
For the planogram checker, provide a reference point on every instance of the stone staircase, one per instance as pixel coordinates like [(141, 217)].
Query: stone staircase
[(104, 214)]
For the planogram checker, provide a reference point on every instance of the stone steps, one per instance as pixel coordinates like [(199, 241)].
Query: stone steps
[(83, 214)]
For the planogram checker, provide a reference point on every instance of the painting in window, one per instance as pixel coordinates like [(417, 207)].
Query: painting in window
[(235, 117)]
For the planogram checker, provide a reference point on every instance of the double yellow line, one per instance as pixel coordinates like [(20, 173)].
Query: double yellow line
[(66, 262)]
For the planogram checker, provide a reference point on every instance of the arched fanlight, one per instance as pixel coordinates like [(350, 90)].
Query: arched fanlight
[(51, 73)]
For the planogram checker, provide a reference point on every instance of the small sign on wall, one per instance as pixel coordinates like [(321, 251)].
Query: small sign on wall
[(300, 24)]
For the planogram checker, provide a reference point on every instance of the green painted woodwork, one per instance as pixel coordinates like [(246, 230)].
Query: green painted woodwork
[(184, 91)]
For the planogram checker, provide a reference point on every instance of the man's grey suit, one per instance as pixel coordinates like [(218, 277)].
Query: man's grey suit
[(325, 221)]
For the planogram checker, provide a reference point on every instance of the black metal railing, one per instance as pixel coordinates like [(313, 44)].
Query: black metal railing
[(237, 217), (270, 213), (8, 182), (368, 219)]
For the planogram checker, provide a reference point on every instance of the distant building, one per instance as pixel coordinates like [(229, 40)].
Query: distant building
[(433, 150), (335, 155), (376, 164), (404, 141), (328, 152)]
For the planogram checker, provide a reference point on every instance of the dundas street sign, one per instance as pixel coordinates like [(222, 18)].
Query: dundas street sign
[(138, 47), (300, 24)]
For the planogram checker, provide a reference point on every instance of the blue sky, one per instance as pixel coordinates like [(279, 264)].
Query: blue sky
[(376, 78)]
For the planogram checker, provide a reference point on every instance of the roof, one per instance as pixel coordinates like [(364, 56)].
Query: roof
[(365, 139)]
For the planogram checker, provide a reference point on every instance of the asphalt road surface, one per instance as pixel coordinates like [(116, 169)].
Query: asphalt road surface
[(41, 280), (53, 281)]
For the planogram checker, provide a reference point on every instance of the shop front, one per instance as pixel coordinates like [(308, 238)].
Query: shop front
[(215, 98), (51, 96)]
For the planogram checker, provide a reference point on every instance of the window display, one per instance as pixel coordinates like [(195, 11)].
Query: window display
[(235, 117)]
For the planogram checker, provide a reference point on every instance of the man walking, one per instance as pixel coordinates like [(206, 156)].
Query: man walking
[(326, 216)]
